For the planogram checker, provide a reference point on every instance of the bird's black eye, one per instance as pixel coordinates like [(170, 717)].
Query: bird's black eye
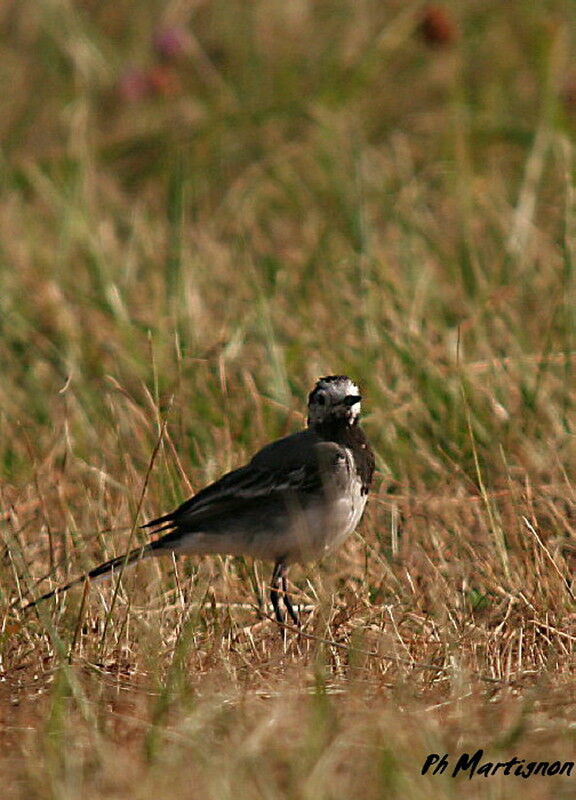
[(321, 400)]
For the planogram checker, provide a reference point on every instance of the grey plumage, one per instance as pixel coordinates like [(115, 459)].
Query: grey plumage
[(297, 499)]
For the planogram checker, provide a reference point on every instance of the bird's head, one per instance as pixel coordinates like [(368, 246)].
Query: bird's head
[(335, 398)]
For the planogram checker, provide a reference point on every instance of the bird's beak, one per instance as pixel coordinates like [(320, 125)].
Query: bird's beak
[(351, 400)]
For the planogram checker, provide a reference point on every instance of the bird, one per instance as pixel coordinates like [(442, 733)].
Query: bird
[(297, 499)]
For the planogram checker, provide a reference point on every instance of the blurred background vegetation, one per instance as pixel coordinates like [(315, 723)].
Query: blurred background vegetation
[(207, 204), (278, 190)]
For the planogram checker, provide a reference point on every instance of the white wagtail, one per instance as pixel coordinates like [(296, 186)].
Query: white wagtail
[(296, 500)]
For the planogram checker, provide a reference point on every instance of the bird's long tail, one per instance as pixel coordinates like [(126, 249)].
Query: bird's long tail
[(102, 570)]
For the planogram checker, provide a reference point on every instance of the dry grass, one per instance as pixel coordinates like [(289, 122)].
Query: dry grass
[(188, 238)]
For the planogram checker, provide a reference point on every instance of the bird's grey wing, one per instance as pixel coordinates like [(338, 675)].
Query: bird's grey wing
[(289, 468)]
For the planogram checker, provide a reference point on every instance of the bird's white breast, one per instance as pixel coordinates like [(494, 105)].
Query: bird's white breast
[(324, 526)]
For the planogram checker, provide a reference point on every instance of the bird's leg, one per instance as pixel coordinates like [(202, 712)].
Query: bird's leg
[(293, 614), (279, 582), (274, 585)]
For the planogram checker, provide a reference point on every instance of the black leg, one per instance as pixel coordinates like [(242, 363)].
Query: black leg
[(279, 580), (287, 602), (274, 584)]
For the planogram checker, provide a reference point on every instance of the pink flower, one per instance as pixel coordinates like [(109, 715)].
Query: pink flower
[(172, 43)]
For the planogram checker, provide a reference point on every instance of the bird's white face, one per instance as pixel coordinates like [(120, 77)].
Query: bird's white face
[(334, 397)]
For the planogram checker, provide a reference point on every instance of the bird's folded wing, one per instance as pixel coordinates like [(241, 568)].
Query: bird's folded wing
[(263, 479)]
